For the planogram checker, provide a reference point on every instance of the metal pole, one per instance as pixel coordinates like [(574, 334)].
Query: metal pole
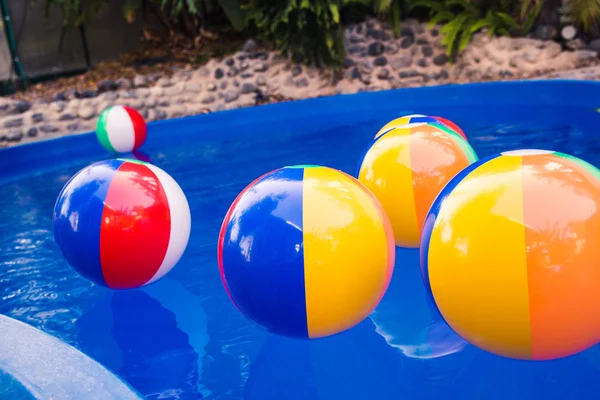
[(8, 30)]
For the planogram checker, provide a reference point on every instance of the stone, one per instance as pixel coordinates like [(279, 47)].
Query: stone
[(434, 32), (375, 49), (407, 42), (401, 62), (357, 50), (58, 106), (422, 42), (302, 82), (183, 75), (348, 62), (585, 55), (380, 61), (506, 74), (231, 95), (67, 116), (123, 83), (112, 96), (419, 29), (261, 67), (544, 32), (385, 36), (356, 39), (132, 94), (37, 117), (236, 83), (90, 93), (594, 45), (391, 49), (107, 85), (366, 67), (59, 97), (244, 65), (13, 123), (160, 114), (427, 51), (22, 106), (407, 74), (260, 55), (202, 72), (383, 74), (224, 85), (163, 103), (139, 81), (248, 88), (14, 135), (575, 44), (72, 127), (208, 99), (249, 46), (440, 59), (175, 90), (444, 74), (261, 81), (374, 33), (422, 63), (233, 71), (219, 73), (247, 75), (358, 28), (366, 79), (86, 112), (193, 87), (426, 78), (297, 70), (406, 31), (229, 62), (32, 132), (211, 87), (48, 128), (164, 82), (568, 32)]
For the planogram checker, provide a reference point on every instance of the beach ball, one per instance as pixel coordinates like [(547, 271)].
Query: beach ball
[(305, 252), (419, 118), (122, 223), (121, 129), (510, 254), (407, 167)]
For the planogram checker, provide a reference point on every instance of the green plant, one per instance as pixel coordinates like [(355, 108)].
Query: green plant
[(463, 18), (392, 9), (196, 11), (309, 30)]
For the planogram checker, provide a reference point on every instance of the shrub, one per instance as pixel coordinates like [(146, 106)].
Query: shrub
[(310, 31)]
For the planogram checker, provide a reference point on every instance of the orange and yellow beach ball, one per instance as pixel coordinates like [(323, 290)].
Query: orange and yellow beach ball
[(510, 253), (407, 167)]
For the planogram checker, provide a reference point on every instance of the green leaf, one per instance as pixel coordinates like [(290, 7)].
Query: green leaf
[(235, 13), (335, 13)]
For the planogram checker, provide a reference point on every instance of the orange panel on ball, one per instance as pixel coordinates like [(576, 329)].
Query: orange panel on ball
[(562, 234)]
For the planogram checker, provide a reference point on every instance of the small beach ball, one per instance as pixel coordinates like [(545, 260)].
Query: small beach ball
[(407, 167), (306, 252), (510, 254), (121, 129), (122, 223), (419, 118)]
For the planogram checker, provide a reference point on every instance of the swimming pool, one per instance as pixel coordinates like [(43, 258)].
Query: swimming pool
[(182, 338)]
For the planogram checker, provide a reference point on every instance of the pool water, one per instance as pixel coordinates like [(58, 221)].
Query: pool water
[(182, 338)]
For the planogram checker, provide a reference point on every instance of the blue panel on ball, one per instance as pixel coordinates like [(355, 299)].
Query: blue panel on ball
[(433, 213), (263, 254), (78, 215)]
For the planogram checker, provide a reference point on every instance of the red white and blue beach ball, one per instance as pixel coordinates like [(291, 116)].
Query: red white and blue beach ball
[(122, 223)]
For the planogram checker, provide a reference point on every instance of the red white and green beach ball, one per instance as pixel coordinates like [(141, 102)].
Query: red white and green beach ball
[(121, 129)]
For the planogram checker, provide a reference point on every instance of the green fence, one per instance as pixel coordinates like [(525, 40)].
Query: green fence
[(36, 46)]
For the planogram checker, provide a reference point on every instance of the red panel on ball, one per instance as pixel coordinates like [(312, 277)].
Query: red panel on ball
[(135, 230)]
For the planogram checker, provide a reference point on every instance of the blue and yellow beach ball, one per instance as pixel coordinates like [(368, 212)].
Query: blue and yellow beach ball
[(510, 254), (306, 251)]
